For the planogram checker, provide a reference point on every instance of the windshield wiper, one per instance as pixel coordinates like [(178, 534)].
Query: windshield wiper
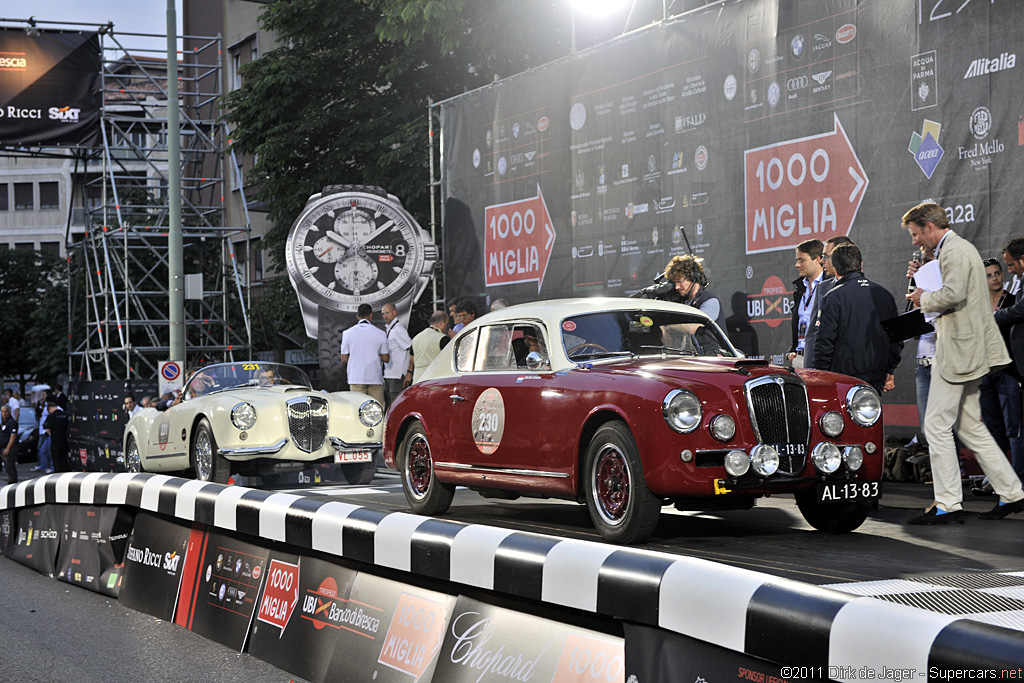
[(669, 349), (601, 354)]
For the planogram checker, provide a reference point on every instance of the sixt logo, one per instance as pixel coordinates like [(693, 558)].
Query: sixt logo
[(925, 147), (65, 114), (981, 67)]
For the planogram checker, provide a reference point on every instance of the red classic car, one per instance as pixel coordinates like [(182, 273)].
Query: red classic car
[(628, 405)]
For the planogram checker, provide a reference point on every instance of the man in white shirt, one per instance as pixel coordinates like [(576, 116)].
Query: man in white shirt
[(428, 343), (398, 370), (14, 404), (363, 348), (130, 406)]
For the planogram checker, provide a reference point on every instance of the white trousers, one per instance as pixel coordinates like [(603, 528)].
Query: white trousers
[(956, 406)]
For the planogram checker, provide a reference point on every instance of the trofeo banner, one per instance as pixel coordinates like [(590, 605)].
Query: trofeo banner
[(37, 537), (92, 549), (300, 614)]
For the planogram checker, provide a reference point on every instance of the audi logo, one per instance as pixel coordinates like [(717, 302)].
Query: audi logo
[(796, 83)]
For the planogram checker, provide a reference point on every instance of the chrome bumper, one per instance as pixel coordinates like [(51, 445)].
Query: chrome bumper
[(339, 445), (255, 450)]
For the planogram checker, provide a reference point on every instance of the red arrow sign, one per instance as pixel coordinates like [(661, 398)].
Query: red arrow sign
[(280, 595), (518, 240), (803, 189)]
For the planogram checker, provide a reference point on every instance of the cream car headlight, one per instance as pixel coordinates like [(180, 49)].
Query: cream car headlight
[(682, 410), (831, 424), (723, 427), (826, 457), (864, 405), (764, 460), (370, 413), (243, 416)]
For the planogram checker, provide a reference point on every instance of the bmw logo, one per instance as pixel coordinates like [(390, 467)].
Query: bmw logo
[(797, 46)]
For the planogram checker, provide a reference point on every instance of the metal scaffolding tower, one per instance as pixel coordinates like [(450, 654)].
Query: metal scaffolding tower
[(118, 285)]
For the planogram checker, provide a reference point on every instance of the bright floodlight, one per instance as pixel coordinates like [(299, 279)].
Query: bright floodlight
[(598, 7)]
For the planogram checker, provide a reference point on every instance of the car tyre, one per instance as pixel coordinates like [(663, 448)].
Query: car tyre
[(361, 473), (425, 494), (835, 518), (132, 457), (207, 462), (621, 506)]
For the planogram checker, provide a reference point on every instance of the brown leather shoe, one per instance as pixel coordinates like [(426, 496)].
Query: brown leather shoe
[(1003, 509)]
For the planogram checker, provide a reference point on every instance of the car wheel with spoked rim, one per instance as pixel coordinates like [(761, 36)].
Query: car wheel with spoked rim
[(207, 462), (621, 506), (424, 493), (132, 457)]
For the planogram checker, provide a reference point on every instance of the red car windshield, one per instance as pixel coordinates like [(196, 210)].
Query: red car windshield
[(642, 333)]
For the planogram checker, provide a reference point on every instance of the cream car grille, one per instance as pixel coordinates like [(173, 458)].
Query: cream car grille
[(780, 414), (307, 422)]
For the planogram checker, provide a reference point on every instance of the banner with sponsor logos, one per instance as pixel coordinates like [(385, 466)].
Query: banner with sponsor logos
[(653, 654), (221, 579), (736, 133), (391, 632), (154, 565), (485, 642), (92, 546), (36, 538), (49, 87), (98, 419), (301, 614)]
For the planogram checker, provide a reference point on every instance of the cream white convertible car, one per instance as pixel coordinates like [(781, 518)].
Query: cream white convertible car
[(255, 419)]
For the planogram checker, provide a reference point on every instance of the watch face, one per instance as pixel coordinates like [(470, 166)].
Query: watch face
[(352, 248)]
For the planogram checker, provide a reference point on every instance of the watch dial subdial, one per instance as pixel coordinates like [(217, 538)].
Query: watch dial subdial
[(356, 274), (327, 250), (354, 225)]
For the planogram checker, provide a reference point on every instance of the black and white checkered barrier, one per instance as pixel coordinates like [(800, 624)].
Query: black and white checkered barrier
[(827, 633)]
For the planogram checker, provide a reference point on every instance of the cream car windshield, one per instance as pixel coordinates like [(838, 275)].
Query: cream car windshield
[(256, 375), (642, 333)]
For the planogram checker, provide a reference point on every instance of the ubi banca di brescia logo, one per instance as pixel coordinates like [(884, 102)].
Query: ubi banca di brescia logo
[(925, 147)]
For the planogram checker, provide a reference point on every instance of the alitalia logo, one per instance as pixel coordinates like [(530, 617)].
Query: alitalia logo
[(980, 67)]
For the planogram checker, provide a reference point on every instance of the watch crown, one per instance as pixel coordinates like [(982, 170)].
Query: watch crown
[(430, 251)]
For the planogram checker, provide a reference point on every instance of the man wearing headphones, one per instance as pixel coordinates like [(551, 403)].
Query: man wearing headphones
[(691, 283)]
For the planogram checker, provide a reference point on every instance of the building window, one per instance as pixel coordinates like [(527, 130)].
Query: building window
[(49, 196), (5, 200), (24, 246), (23, 200), (254, 51), (50, 248), (236, 64), (257, 260)]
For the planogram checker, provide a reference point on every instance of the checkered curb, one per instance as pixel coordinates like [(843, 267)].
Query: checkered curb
[(783, 621)]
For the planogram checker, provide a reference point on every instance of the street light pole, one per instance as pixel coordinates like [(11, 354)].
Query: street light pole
[(175, 247)]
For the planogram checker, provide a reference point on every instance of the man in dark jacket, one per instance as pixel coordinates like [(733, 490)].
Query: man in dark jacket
[(57, 426), (850, 337), (1013, 317)]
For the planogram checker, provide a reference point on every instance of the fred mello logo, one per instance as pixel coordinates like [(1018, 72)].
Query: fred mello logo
[(980, 67)]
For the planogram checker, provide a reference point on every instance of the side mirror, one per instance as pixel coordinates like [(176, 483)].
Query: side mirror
[(534, 361)]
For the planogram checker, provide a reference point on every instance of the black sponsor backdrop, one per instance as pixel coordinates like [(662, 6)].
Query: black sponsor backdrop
[(98, 420), (312, 625), (220, 586), (754, 113), (486, 642), (8, 531), (49, 88), (37, 537), (656, 655), (153, 566), (92, 547), (391, 632)]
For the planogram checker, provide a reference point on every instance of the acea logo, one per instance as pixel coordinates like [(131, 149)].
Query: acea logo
[(925, 147), (773, 305)]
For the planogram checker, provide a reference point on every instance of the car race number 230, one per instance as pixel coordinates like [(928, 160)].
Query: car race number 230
[(488, 421)]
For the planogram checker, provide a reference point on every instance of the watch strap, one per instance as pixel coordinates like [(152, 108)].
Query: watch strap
[(368, 189), (331, 325)]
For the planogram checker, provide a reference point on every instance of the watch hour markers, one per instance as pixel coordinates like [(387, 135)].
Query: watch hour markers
[(307, 248), (331, 286), (396, 269), (330, 212), (380, 285), (313, 269)]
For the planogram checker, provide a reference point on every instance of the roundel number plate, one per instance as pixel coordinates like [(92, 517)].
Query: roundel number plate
[(488, 421)]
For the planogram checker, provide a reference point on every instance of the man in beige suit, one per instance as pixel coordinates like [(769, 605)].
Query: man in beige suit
[(968, 345)]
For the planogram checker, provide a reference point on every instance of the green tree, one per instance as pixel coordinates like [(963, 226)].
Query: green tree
[(33, 288), (334, 104)]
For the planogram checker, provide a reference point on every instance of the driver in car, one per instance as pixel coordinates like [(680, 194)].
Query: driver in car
[(267, 377), (200, 385)]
